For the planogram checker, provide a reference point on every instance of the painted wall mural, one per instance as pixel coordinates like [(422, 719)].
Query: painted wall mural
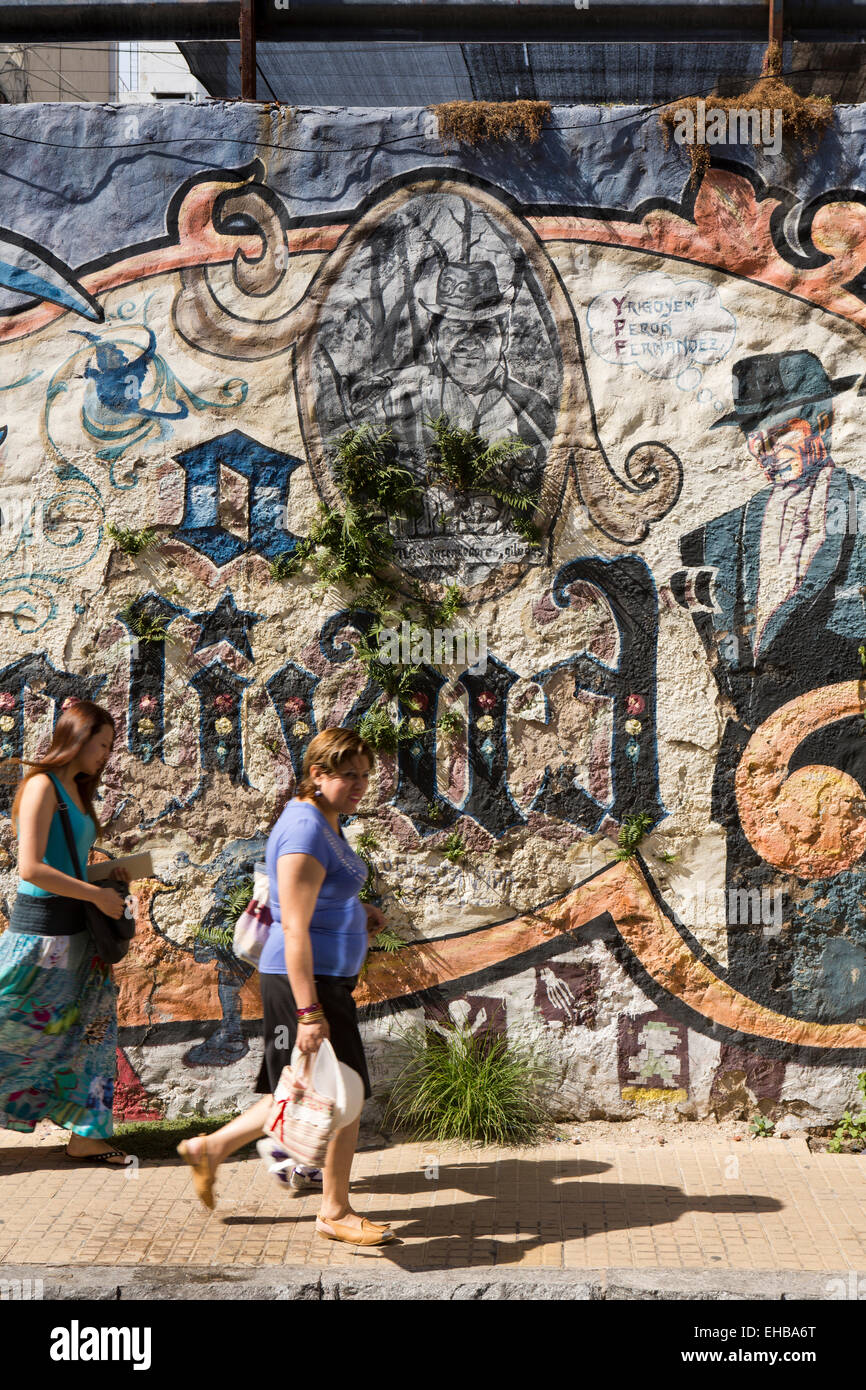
[(184, 337)]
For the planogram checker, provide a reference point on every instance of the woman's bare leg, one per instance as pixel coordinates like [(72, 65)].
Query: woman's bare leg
[(233, 1136), (338, 1168)]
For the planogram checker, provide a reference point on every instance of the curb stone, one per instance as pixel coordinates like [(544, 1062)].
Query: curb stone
[(104, 1283)]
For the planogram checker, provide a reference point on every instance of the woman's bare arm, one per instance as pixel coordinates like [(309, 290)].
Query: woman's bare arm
[(299, 879)]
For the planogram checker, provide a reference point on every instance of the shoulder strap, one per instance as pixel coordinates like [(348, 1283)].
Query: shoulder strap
[(63, 812)]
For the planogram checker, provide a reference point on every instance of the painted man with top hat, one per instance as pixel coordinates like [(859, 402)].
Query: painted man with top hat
[(471, 381), (777, 592)]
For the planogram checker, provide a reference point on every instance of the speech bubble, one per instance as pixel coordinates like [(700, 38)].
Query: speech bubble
[(664, 326)]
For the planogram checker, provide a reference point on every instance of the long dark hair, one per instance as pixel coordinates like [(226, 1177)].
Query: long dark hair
[(77, 724)]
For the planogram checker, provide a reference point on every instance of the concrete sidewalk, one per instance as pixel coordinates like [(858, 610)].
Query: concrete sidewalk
[(711, 1218)]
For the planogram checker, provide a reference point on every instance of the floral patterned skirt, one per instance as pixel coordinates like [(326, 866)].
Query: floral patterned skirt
[(58, 1034)]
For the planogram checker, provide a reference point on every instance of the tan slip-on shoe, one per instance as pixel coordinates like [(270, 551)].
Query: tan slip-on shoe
[(369, 1234), (202, 1177)]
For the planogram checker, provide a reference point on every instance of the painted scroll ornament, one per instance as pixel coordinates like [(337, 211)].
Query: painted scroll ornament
[(438, 300), (649, 935), (813, 822)]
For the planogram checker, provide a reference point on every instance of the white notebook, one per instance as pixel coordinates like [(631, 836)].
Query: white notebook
[(139, 866)]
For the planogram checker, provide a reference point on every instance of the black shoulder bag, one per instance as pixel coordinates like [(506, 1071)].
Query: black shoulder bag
[(111, 937)]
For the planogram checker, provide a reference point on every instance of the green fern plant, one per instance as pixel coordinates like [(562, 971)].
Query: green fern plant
[(283, 567), (235, 899), (130, 541), (633, 829), (396, 679), (143, 626), (367, 470), (453, 847), (388, 941), (379, 729), (464, 461), (449, 606), (216, 936)]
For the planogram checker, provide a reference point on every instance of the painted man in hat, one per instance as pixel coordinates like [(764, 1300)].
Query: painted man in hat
[(780, 609), (471, 383)]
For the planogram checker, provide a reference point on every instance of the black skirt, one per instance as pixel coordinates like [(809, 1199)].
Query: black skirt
[(334, 993)]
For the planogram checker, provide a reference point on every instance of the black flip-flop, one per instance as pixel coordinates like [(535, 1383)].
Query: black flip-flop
[(98, 1158)]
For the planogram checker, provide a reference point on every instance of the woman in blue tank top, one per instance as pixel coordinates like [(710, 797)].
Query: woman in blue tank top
[(58, 1013), (309, 968)]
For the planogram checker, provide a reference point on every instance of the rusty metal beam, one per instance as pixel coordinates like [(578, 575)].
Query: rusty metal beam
[(434, 21), (248, 50)]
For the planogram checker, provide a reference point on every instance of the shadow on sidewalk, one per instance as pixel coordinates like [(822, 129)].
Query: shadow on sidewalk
[(542, 1202)]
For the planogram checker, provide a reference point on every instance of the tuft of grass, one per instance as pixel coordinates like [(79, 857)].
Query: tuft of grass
[(474, 122), (481, 1088), (130, 541), (805, 119)]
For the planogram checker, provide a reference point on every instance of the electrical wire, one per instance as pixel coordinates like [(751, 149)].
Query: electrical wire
[(57, 74), (636, 113)]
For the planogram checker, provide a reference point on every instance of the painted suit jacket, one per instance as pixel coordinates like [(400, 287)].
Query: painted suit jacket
[(811, 640)]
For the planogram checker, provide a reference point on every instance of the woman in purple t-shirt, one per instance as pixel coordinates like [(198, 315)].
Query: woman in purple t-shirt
[(309, 968)]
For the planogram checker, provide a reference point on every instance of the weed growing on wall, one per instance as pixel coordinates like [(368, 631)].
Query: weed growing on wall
[(130, 541), (235, 899), (451, 723), (143, 626), (476, 122), (388, 941), (761, 1127), (633, 829), (381, 731), (476, 1087), (466, 462), (804, 120), (453, 847), (367, 469), (851, 1130)]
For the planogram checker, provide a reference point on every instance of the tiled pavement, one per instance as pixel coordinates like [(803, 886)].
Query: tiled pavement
[(713, 1204)]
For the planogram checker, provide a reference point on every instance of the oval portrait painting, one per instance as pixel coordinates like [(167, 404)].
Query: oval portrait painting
[(439, 305)]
